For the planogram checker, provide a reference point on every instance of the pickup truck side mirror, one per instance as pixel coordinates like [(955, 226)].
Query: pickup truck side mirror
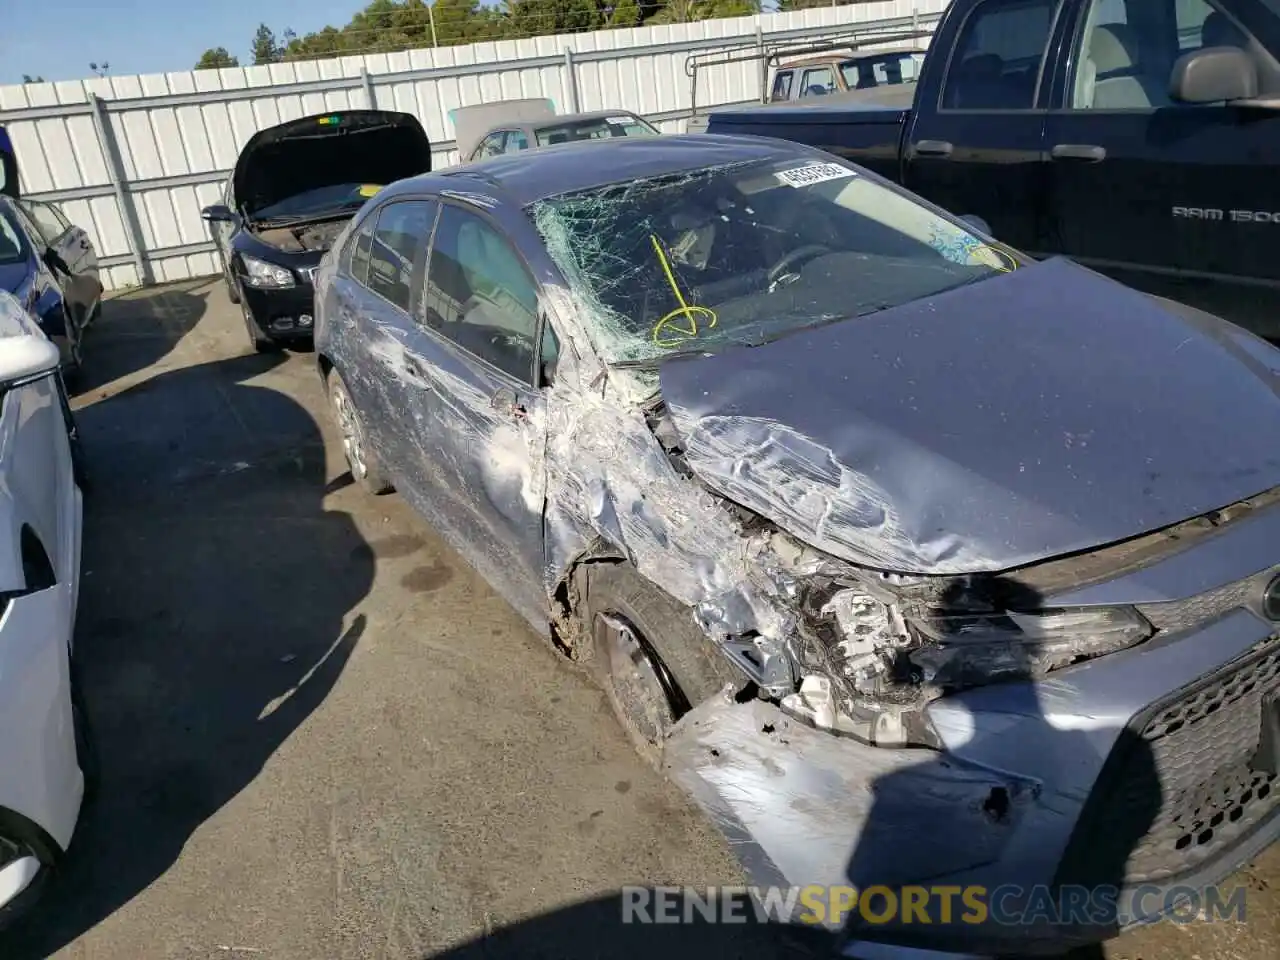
[(975, 221), (218, 213), (1212, 75)]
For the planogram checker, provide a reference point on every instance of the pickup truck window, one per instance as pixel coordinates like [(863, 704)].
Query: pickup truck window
[(781, 86), (1129, 48), (999, 56), (817, 81), (747, 252)]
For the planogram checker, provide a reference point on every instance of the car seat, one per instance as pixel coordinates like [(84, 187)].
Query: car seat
[(1114, 78)]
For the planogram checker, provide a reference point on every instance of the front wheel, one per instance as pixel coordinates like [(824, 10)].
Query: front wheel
[(233, 291), (260, 341), (648, 653)]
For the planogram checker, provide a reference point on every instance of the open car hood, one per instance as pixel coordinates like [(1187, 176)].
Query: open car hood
[(8, 167), (345, 146), (1031, 415)]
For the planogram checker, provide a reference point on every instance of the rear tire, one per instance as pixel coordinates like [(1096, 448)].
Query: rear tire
[(363, 463), (659, 665)]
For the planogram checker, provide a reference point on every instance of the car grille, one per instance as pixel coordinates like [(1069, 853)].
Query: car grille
[(1182, 792), (308, 274)]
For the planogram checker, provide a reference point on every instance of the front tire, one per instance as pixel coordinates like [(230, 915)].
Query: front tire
[(653, 660), (233, 291), (363, 463), (259, 340)]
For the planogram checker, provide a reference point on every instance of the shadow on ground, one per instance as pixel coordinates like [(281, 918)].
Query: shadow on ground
[(138, 328), (213, 618), (595, 930)]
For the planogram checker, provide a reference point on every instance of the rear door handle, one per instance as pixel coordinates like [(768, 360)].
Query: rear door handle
[(1078, 151), (934, 148)]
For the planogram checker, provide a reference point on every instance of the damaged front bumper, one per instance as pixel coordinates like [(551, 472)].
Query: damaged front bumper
[(1140, 773)]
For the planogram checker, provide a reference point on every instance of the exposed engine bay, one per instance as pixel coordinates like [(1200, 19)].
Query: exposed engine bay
[(301, 237), (866, 651)]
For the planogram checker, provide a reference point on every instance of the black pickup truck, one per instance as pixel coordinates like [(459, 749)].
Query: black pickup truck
[(1140, 137)]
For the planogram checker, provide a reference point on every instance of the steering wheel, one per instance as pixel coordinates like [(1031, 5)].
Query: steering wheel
[(793, 258)]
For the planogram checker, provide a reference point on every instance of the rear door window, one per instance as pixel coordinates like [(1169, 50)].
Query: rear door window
[(397, 244), (48, 220), (999, 55)]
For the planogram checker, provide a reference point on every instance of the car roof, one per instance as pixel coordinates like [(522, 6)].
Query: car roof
[(565, 120), (531, 175), (845, 56)]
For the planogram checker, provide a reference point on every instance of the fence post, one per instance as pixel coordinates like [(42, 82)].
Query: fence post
[(571, 80), (366, 81), (764, 64), (115, 169)]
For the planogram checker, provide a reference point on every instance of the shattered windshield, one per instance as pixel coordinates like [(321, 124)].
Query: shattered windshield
[(623, 125), (743, 254)]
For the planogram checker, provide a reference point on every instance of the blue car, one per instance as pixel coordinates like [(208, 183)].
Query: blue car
[(923, 565), (48, 263)]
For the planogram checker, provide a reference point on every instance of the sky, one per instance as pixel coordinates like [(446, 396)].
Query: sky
[(144, 36)]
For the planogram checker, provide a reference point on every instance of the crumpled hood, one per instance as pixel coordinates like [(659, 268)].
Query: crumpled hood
[(1028, 416)]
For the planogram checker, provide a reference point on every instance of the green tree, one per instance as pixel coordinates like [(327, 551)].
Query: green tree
[(687, 11), (533, 18), (623, 13), (264, 48), (216, 58)]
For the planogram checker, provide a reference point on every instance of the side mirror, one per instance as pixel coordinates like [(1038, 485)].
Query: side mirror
[(218, 213), (1212, 75), (975, 221), (27, 358)]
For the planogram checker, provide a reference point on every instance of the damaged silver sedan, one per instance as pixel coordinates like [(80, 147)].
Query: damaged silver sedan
[(915, 561)]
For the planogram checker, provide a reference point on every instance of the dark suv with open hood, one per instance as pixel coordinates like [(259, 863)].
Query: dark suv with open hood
[(293, 189)]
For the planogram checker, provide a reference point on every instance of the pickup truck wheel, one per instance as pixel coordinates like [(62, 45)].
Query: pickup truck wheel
[(361, 460), (648, 653)]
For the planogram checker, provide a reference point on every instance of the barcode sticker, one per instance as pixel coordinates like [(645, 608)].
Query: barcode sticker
[(813, 173)]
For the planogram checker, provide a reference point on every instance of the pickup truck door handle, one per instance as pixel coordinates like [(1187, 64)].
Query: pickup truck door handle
[(1078, 151), (934, 148)]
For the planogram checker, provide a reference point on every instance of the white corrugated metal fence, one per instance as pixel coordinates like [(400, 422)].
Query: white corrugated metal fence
[(134, 158)]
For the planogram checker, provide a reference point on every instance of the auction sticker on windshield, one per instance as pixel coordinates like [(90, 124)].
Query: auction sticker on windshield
[(813, 173)]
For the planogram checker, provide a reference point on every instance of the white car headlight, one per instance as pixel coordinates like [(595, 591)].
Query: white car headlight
[(259, 273)]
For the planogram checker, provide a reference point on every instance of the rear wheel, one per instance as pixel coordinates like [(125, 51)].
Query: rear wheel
[(361, 460), (652, 659)]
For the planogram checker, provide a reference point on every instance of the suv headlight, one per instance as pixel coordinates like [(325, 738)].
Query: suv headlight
[(259, 273)]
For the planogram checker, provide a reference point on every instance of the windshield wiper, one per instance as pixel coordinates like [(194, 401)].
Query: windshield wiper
[(641, 363)]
